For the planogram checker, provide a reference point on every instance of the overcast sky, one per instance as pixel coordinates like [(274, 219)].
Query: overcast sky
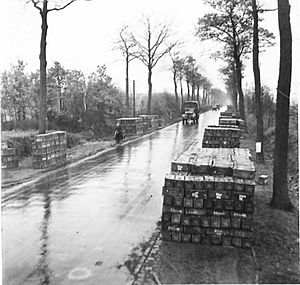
[(82, 36)]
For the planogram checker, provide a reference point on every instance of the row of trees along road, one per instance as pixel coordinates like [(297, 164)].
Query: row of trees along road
[(74, 103), (235, 24), (187, 69)]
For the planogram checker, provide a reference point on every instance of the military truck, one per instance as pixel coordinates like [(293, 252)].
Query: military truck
[(190, 112)]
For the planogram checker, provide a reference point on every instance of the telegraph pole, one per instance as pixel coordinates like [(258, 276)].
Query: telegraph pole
[(133, 99)]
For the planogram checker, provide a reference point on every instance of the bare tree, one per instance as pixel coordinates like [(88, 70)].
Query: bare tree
[(43, 7), (280, 197), (256, 71), (126, 45), (152, 47)]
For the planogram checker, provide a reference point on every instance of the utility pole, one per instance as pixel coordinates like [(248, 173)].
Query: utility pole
[(133, 99)]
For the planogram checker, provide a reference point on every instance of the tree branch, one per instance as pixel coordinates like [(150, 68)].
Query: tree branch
[(35, 4), (63, 7)]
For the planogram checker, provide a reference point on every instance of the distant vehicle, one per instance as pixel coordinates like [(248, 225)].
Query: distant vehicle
[(214, 108), (218, 106), (191, 112)]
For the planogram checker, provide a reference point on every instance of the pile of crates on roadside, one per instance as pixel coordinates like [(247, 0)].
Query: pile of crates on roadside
[(150, 122), (9, 157), (209, 196), (131, 126), (221, 136), (49, 149), (230, 119)]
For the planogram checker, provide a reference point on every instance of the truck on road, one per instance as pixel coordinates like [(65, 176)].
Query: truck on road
[(190, 112)]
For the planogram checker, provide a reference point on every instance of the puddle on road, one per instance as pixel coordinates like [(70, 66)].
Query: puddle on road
[(79, 273)]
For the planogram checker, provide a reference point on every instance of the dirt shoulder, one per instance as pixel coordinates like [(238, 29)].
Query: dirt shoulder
[(274, 257), (25, 172), (276, 232)]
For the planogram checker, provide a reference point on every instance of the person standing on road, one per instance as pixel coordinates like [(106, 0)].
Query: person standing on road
[(118, 133)]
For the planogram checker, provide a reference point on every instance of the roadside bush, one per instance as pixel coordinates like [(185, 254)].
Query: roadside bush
[(73, 140), (23, 145), (20, 125)]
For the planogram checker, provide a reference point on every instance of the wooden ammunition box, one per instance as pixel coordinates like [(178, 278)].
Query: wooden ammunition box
[(218, 204), (176, 218), (189, 182), (168, 200), (199, 182), (198, 203), (215, 222), (219, 183), (195, 221), (238, 206), (242, 196), (206, 240), (219, 194), (208, 203), (173, 209), (205, 222), (188, 202), (186, 237), (247, 216), (226, 240), (216, 240), (194, 193), (249, 186), (211, 212), (225, 222), (176, 237), (169, 181), (236, 241), (196, 238), (175, 192), (166, 217), (235, 223), (194, 211), (186, 220), (229, 204), (239, 185), (209, 182), (179, 181), (229, 183)]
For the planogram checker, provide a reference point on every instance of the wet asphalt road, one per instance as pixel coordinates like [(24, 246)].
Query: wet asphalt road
[(79, 225)]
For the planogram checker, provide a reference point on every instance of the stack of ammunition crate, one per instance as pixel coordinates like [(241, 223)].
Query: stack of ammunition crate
[(218, 136), (9, 157), (49, 149), (149, 122), (229, 121), (160, 123), (131, 126), (208, 198)]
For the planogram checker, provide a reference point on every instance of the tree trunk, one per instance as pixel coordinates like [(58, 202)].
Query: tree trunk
[(181, 94), (43, 66), (256, 71), (188, 90), (240, 90), (280, 197), (127, 86), (175, 88), (193, 92), (234, 92), (198, 94), (149, 90)]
